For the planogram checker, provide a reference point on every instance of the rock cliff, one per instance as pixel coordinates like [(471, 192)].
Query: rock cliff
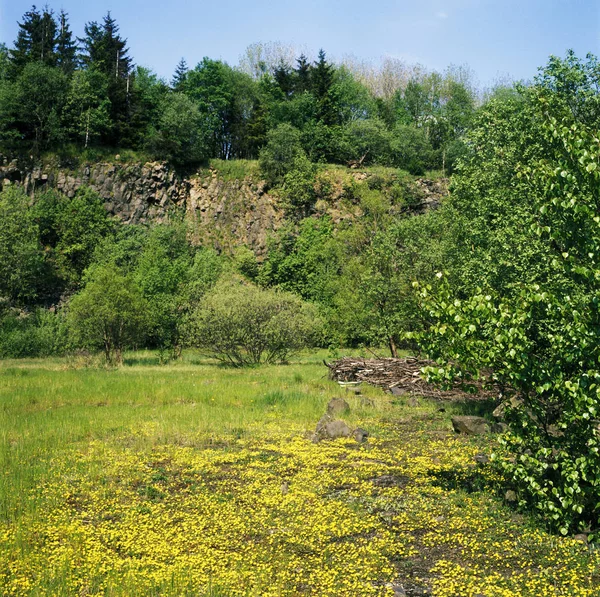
[(224, 212)]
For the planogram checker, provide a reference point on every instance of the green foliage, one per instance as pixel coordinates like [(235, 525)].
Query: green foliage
[(70, 229), (298, 189), (246, 263), (242, 325), (109, 312), (539, 338), (305, 260), (162, 273), (42, 333), (206, 269), (283, 148), (369, 138), (178, 136), (87, 110), (21, 256), (411, 149), (40, 96)]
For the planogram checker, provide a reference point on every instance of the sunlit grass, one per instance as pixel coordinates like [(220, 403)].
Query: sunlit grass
[(195, 479)]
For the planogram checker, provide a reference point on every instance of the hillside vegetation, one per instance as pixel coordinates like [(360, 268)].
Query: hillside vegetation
[(250, 213)]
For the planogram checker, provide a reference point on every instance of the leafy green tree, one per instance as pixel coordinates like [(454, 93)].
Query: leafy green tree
[(304, 259), (538, 336), (21, 255), (40, 98), (10, 135), (243, 325), (206, 270), (87, 109), (283, 148), (225, 99), (353, 100), (298, 187), (370, 140), (162, 273), (105, 51), (411, 149), (109, 313), (178, 134), (71, 229)]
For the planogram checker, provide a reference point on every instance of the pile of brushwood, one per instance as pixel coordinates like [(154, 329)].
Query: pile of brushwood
[(403, 376)]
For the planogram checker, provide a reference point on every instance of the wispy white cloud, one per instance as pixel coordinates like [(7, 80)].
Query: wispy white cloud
[(441, 15)]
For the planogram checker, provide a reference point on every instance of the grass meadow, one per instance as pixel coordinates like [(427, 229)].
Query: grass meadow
[(193, 479)]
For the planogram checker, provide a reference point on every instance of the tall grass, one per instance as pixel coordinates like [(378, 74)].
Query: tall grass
[(47, 406)]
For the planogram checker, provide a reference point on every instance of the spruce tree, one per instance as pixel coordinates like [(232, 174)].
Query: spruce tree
[(66, 48), (45, 43), (106, 51), (36, 41), (322, 76), (302, 71), (180, 76), (284, 76)]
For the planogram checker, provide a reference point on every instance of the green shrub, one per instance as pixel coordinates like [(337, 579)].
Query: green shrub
[(240, 324), (109, 313), (283, 148), (42, 333)]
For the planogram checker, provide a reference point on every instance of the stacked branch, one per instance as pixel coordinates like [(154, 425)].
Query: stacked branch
[(401, 376)]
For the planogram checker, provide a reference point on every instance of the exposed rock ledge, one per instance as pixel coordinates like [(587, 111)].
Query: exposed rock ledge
[(225, 213)]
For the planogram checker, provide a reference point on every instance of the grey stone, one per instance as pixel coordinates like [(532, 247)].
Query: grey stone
[(499, 427), (336, 429), (481, 458), (360, 435), (399, 391), (337, 406), (499, 411), (470, 425), (322, 422), (329, 428), (390, 481)]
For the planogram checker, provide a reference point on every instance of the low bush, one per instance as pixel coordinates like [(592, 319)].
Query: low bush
[(241, 324), (39, 334)]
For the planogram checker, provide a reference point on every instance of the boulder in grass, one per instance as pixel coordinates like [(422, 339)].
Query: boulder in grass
[(330, 428), (337, 406), (336, 429), (360, 435), (470, 425)]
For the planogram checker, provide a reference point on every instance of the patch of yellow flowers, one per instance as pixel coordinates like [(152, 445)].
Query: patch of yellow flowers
[(276, 515)]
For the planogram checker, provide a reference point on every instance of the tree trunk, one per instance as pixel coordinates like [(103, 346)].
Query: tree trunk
[(393, 348)]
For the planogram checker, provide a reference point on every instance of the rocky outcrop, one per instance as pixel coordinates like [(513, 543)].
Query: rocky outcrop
[(228, 213), (225, 213)]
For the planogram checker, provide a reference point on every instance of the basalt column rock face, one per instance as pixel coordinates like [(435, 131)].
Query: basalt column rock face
[(135, 193), (224, 213), (229, 213)]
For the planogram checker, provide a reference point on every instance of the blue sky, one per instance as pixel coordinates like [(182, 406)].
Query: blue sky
[(500, 37)]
